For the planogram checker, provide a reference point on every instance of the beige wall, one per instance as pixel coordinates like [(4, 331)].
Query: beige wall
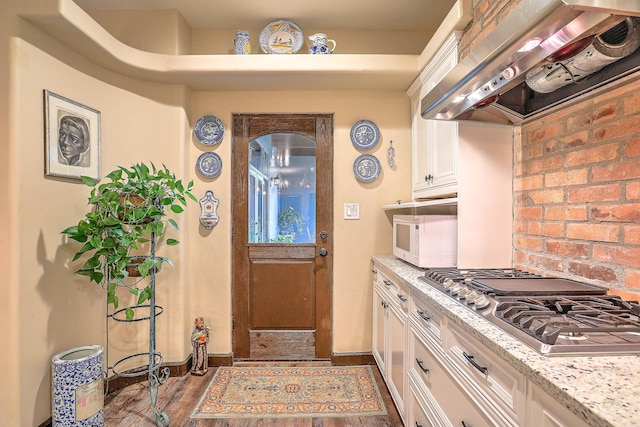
[(47, 309), (355, 241)]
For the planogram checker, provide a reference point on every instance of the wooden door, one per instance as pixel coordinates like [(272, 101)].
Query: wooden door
[(281, 291)]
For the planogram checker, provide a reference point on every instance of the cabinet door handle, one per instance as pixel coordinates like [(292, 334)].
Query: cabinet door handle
[(418, 424), (419, 362), (423, 316), (384, 304), (402, 298), (475, 364), (374, 271), (465, 424), (428, 178), (386, 282)]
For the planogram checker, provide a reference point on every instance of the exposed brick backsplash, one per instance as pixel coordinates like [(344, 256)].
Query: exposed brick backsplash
[(577, 192), (486, 15), (576, 182)]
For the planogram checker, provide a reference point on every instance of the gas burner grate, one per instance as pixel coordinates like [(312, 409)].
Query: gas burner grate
[(439, 275), (574, 318)]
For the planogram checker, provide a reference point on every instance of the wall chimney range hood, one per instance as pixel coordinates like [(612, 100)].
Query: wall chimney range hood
[(543, 54)]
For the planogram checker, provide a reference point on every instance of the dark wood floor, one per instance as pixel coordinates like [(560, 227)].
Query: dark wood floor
[(131, 406)]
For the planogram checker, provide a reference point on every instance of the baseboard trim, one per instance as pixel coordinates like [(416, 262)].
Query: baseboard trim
[(176, 369), (351, 359)]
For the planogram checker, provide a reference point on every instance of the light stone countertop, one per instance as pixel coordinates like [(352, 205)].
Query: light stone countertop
[(602, 390)]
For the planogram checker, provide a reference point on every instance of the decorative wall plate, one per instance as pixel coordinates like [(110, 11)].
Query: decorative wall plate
[(209, 130), (366, 168), (365, 134), (281, 37), (209, 165)]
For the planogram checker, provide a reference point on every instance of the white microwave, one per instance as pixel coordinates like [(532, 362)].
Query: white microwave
[(426, 240)]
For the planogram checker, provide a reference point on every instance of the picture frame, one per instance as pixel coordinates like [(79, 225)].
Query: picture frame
[(72, 138)]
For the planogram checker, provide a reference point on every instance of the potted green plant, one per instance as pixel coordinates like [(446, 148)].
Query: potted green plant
[(126, 211), (291, 223)]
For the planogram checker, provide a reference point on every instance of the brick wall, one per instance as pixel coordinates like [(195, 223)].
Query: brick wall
[(486, 15), (577, 192), (576, 183)]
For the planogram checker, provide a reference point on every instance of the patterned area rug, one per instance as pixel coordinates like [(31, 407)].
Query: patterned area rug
[(269, 392)]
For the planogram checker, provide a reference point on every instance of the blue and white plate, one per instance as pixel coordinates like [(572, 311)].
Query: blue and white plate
[(365, 134), (209, 165), (209, 130), (281, 36), (366, 168)]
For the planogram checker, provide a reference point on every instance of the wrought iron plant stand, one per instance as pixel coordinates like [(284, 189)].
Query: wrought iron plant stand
[(155, 374)]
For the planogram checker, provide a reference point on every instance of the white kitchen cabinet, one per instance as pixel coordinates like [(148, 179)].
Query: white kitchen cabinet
[(545, 411), (469, 160), (434, 142), (379, 327), (390, 306), (484, 202)]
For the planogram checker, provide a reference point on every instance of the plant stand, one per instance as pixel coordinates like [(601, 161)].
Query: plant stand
[(155, 374)]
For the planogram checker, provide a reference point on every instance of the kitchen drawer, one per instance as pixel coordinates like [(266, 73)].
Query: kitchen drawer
[(420, 408), (432, 377), (487, 377), (426, 318), (398, 293)]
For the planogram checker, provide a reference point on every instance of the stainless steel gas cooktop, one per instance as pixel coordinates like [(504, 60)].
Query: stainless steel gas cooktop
[(552, 315)]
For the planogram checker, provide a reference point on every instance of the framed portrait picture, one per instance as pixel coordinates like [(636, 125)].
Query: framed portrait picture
[(72, 138)]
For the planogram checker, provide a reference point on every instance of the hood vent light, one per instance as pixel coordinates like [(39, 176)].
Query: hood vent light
[(544, 53), (586, 57)]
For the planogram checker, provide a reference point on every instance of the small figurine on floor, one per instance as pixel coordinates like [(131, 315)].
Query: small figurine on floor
[(199, 340)]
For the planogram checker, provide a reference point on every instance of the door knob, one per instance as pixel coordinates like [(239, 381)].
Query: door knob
[(324, 235), (323, 252)]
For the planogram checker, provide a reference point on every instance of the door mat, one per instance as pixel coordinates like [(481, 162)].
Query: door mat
[(281, 392)]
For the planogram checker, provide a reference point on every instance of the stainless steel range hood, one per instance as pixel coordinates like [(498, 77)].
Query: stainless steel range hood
[(537, 36)]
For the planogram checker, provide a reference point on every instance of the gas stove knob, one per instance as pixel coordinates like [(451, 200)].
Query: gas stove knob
[(462, 293), (481, 302), (455, 289), (471, 297)]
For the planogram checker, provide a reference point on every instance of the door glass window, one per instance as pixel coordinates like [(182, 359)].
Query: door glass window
[(282, 189)]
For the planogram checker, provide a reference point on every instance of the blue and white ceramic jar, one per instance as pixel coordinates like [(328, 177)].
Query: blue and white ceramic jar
[(241, 44), (77, 387)]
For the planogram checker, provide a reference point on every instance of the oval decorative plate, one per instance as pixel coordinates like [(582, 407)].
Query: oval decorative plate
[(366, 168), (281, 37), (209, 165), (209, 130), (365, 134)]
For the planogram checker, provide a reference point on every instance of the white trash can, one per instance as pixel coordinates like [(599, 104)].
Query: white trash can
[(77, 387)]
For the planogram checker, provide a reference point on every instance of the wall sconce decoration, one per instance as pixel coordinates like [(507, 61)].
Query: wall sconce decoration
[(209, 210), (391, 155), (275, 179)]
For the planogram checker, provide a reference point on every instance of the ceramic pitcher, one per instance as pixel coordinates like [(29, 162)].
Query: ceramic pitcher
[(241, 45), (319, 44)]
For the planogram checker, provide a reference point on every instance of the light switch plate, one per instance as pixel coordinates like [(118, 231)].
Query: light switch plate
[(352, 211)]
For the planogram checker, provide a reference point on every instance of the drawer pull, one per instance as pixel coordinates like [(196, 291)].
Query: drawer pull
[(374, 271), (423, 316), (465, 424), (418, 424), (419, 362), (387, 282), (402, 298), (475, 364)]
